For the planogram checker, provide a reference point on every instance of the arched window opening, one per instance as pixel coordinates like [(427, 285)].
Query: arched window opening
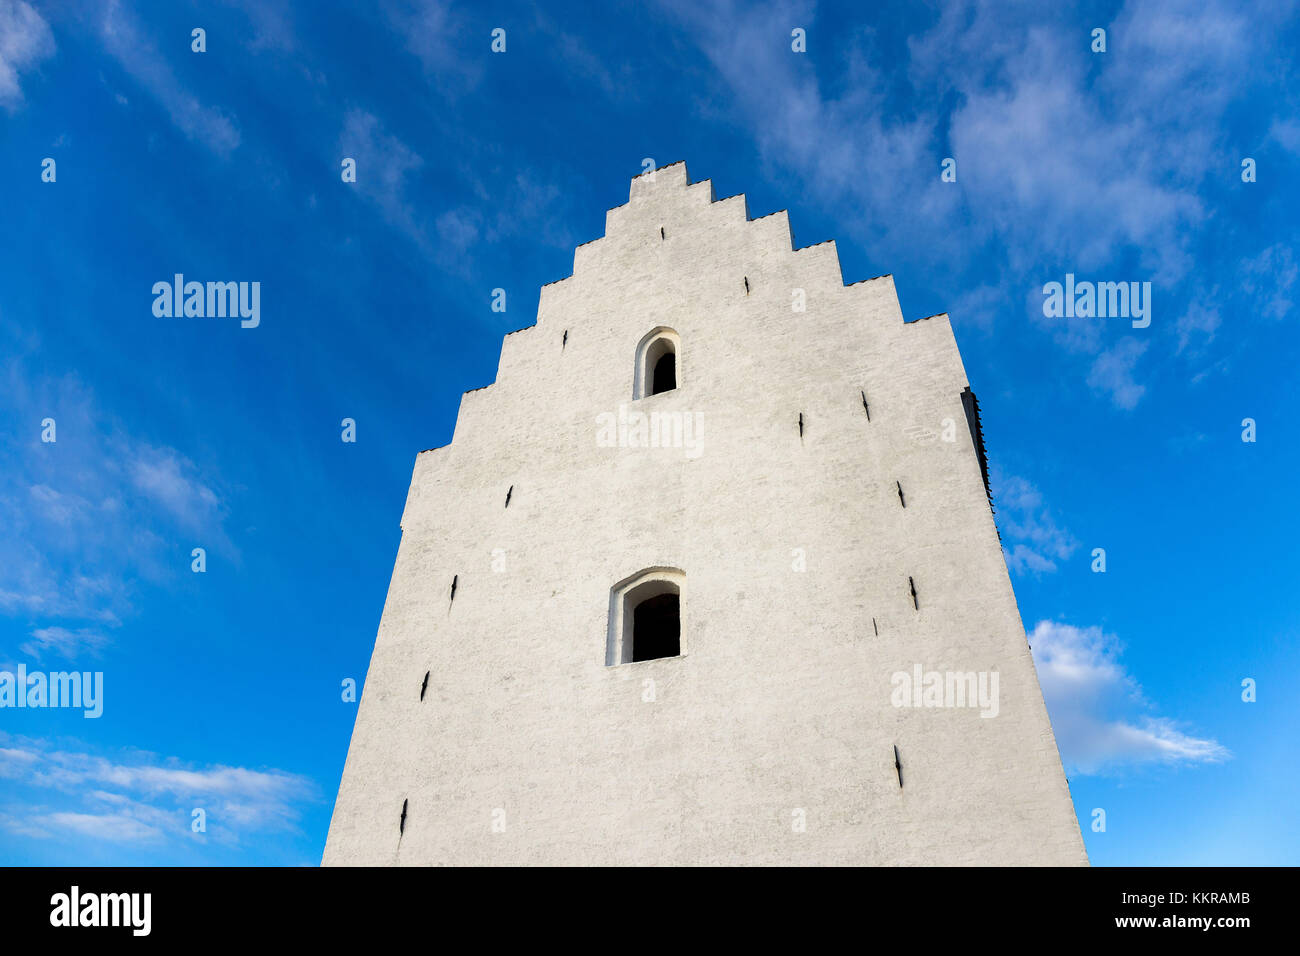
[(645, 617), (657, 628), (665, 377), (656, 363)]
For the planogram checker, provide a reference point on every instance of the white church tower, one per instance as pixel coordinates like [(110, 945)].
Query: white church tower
[(709, 575)]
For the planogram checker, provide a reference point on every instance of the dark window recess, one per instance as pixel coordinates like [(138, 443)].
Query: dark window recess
[(657, 628), (665, 374)]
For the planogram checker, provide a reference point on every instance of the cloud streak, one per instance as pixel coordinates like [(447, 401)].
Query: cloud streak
[(1033, 541), (1099, 715), (1067, 161), (140, 799), (384, 164), (25, 41), (65, 643), (206, 125), (90, 516)]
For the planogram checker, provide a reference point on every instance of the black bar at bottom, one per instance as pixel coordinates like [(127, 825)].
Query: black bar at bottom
[(569, 906)]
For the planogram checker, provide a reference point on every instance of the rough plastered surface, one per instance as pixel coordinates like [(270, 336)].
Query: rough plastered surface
[(771, 739)]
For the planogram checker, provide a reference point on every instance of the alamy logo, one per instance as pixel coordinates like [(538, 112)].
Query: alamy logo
[(213, 300), (1084, 300), (56, 689), (654, 430), (922, 688), (103, 909)]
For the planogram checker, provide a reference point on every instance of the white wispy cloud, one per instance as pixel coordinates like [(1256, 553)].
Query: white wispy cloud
[(91, 516), (59, 507), (1032, 540), (1286, 133), (1067, 161), (437, 33), (142, 799), (271, 23), (839, 141), (170, 480), (116, 827), (63, 642), (1199, 322), (1113, 372), (123, 38), (1046, 164), (25, 41), (14, 761), (1099, 715), (384, 164), (1049, 157), (1270, 279)]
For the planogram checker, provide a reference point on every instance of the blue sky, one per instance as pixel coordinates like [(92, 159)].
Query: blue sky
[(479, 170)]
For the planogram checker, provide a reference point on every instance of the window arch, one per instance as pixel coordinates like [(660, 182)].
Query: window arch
[(657, 366), (645, 617)]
